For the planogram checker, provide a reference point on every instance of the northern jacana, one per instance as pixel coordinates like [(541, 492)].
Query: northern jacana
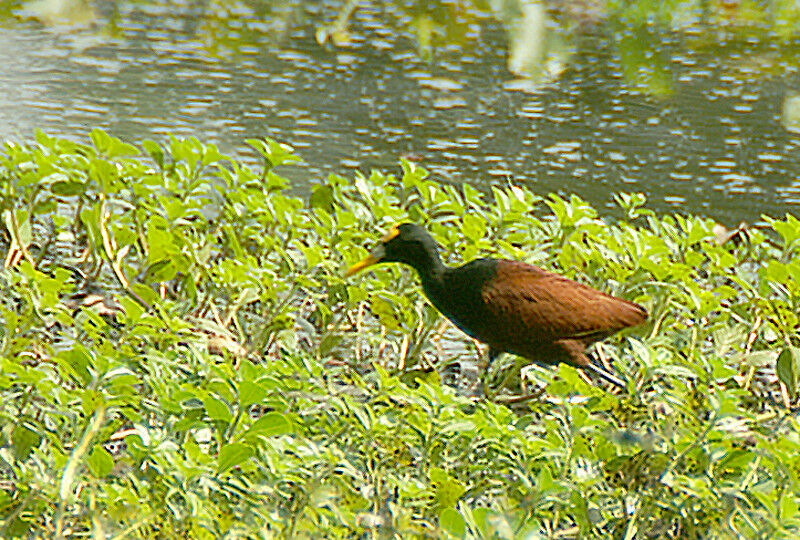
[(512, 306)]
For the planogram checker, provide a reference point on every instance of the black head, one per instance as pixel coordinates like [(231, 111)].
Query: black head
[(406, 243)]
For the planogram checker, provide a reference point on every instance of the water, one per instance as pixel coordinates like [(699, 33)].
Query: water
[(699, 118)]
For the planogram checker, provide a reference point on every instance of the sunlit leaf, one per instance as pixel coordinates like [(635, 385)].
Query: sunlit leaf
[(100, 461), (270, 425), (232, 455), (452, 522), (217, 409), (788, 367)]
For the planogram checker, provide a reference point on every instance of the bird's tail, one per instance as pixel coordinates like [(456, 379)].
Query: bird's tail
[(603, 374)]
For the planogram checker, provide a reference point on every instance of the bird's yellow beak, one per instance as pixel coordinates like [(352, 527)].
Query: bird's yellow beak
[(360, 265), (374, 257)]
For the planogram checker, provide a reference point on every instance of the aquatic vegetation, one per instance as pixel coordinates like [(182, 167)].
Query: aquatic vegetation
[(181, 355)]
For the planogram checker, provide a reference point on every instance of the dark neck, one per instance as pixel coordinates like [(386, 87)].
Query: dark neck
[(429, 267)]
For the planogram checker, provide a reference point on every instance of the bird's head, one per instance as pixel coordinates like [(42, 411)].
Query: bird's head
[(406, 243)]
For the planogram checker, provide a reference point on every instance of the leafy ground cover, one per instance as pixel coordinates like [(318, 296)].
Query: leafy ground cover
[(181, 356)]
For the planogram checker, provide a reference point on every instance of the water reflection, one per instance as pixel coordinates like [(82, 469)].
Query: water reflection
[(702, 120)]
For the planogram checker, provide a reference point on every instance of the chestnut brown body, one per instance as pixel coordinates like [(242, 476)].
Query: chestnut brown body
[(549, 318)]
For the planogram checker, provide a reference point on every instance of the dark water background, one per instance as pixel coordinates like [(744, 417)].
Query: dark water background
[(701, 115)]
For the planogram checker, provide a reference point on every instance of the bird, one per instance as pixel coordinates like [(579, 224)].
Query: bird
[(512, 306)]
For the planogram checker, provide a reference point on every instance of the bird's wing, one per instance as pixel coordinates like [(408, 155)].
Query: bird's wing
[(523, 300)]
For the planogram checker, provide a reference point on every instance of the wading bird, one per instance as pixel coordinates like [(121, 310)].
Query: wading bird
[(512, 306)]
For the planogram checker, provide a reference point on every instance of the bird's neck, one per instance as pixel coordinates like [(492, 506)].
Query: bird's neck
[(431, 270)]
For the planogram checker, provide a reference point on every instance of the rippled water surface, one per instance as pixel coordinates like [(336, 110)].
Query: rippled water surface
[(699, 120)]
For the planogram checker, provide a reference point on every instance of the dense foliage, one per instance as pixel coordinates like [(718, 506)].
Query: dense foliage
[(180, 355)]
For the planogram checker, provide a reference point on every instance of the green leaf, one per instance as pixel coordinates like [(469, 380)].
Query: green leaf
[(313, 254), (249, 371), (386, 312), (217, 409), (106, 175), (458, 426), (160, 271), (474, 227), (447, 490), (251, 392), (322, 198), (159, 240), (789, 506), (270, 425), (273, 152), (68, 187), (24, 440), (78, 360), (452, 522), (232, 455), (788, 367), (328, 343), (788, 229), (776, 271), (545, 482), (101, 463), (101, 140), (212, 155), (155, 151)]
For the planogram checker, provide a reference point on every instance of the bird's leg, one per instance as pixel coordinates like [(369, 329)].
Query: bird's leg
[(601, 356), (604, 371), (491, 356), (603, 374), (483, 362)]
